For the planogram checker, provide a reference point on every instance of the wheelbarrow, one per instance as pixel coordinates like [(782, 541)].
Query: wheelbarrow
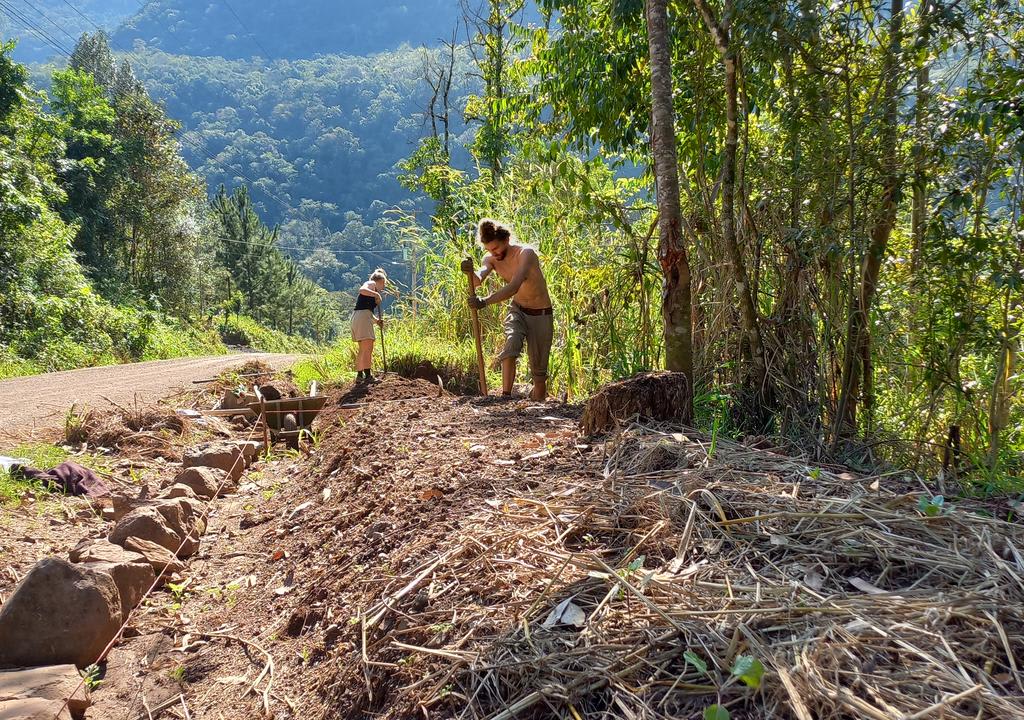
[(288, 419)]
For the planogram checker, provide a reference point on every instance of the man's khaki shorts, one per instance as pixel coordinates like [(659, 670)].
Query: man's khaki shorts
[(537, 331), (362, 325)]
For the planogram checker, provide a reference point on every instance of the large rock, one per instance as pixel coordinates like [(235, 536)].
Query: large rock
[(187, 517), (100, 550), (59, 613), (250, 450), (33, 709), (177, 491), (223, 456), (55, 682), (123, 505), (133, 579), (159, 558), (149, 524), (204, 481)]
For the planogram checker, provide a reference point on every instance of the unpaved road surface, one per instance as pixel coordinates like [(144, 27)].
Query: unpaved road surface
[(32, 405)]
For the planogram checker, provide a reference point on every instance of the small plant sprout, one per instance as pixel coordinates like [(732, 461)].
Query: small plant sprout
[(91, 677), (749, 670), (695, 660), (178, 674), (716, 712), (932, 506)]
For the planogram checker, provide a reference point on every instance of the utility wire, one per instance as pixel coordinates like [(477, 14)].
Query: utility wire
[(378, 253), (184, 138), (30, 26), (247, 30), (42, 13)]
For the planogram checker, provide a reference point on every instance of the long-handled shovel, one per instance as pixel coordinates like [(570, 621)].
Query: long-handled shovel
[(383, 347), (477, 334)]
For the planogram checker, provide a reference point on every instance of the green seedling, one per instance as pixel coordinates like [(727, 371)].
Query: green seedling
[(716, 712), (749, 670), (91, 677), (932, 506)]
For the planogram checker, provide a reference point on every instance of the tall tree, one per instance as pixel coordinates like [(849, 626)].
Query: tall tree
[(857, 368), (676, 310), (720, 30)]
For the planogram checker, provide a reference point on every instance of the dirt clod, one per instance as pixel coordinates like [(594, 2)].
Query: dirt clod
[(657, 396)]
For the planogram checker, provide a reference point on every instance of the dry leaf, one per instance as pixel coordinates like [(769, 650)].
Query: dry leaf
[(278, 555), (431, 494), (865, 586), (567, 613), (814, 580), (538, 455), (233, 680)]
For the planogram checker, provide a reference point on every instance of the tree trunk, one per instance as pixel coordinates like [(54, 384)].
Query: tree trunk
[(857, 342), (675, 265), (919, 213)]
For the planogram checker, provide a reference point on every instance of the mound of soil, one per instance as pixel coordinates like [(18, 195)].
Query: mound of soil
[(658, 396)]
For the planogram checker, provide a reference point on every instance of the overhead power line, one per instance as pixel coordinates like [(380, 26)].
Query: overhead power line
[(15, 15), (183, 137), (266, 53), (43, 14)]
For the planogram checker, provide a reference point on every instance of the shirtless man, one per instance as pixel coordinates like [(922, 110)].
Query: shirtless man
[(529, 317)]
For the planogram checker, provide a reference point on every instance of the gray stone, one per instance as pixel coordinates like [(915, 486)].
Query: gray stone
[(223, 456), (187, 517), (54, 682), (101, 550), (59, 613), (148, 524), (205, 482), (250, 450), (159, 558), (177, 491), (33, 709), (133, 579)]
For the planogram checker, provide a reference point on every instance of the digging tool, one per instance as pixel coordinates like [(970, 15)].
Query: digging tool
[(477, 334), (383, 348)]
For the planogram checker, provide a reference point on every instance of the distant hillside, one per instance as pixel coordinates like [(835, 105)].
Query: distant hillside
[(324, 132), (288, 28), (58, 22)]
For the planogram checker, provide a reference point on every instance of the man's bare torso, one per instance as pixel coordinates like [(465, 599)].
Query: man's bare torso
[(533, 293)]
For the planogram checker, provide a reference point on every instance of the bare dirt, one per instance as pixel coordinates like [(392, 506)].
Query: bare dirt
[(438, 556), (30, 407)]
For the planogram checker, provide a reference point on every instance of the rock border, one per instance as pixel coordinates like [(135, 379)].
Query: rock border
[(148, 543)]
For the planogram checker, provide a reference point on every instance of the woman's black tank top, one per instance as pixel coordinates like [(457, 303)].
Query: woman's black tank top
[(365, 302)]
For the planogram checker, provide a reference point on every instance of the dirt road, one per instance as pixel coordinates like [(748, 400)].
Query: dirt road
[(32, 405)]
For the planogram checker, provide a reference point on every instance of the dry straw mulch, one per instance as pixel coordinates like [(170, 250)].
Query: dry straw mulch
[(635, 596), (145, 429)]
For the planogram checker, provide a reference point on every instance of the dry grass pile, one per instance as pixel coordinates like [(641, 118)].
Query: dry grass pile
[(682, 581), (147, 429), (652, 396)]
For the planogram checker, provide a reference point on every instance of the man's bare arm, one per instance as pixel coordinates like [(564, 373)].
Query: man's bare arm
[(529, 259), (485, 270)]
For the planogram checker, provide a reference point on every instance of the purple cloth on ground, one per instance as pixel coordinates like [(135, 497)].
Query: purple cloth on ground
[(70, 477)]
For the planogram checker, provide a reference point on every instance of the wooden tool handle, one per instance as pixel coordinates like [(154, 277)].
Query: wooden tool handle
[(477, 336)]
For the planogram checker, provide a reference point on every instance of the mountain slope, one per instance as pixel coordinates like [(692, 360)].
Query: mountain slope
[(288, 28), (59, 22)]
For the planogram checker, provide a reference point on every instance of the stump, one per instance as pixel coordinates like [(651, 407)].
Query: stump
[(659, 396)]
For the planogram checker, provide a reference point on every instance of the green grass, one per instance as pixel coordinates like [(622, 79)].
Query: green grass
[(411, 348), (334, 365), (42, 456), (39, 455), (241, 330)]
